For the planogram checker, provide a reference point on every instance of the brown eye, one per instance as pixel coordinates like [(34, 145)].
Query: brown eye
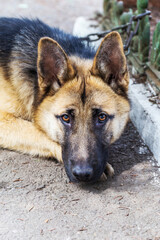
[(65, 118), (102, 117)]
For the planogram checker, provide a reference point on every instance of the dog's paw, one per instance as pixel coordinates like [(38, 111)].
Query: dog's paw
[(109, 171), (103, 177)]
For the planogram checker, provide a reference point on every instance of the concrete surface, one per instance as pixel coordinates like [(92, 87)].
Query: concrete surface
[(146, 117), (37, 201)]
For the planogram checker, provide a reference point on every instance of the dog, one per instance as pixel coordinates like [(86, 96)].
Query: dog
[(60, 98)]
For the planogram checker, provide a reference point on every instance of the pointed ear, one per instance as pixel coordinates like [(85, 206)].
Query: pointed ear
[(110, 63), (53, 65)]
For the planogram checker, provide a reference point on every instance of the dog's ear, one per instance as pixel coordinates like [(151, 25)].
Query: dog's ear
[(110, 63), (53, 65)]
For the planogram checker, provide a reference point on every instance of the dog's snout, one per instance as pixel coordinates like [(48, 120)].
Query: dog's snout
[(82, 173)]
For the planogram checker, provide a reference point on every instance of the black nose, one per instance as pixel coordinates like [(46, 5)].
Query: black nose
[(82, 173)]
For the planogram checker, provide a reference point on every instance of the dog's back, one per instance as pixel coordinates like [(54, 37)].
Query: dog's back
[(19, 40)]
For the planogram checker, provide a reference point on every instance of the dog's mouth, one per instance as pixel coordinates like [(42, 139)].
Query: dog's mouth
[(74, 179)]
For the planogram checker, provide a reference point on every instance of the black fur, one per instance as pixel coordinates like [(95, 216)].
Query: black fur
[(21, 36)]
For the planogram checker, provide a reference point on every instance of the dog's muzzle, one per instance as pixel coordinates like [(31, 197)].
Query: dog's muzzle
[(82, 173)]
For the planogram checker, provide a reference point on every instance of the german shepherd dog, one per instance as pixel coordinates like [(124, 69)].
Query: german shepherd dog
[(60, 98)]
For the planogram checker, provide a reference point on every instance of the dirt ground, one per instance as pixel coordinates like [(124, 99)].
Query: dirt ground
[(36, 199)]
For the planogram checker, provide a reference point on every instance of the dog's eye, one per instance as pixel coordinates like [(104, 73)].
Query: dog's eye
[(102, 117), (65, 118)]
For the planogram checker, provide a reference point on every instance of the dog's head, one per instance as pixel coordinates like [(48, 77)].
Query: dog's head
[(84, 105)]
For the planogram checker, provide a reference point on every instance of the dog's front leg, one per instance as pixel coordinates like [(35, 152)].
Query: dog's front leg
[(21, 135)]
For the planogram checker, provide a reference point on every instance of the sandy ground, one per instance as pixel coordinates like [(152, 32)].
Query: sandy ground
[(36, 199)]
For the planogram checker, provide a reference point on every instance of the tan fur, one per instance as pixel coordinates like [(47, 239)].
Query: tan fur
[(16, 96), (17, 132), (100, 96), (22, 135)]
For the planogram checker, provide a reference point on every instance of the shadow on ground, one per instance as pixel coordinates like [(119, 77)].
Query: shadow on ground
[(132, 161)]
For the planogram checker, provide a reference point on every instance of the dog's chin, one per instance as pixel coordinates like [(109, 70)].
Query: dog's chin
[(75, 180)]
